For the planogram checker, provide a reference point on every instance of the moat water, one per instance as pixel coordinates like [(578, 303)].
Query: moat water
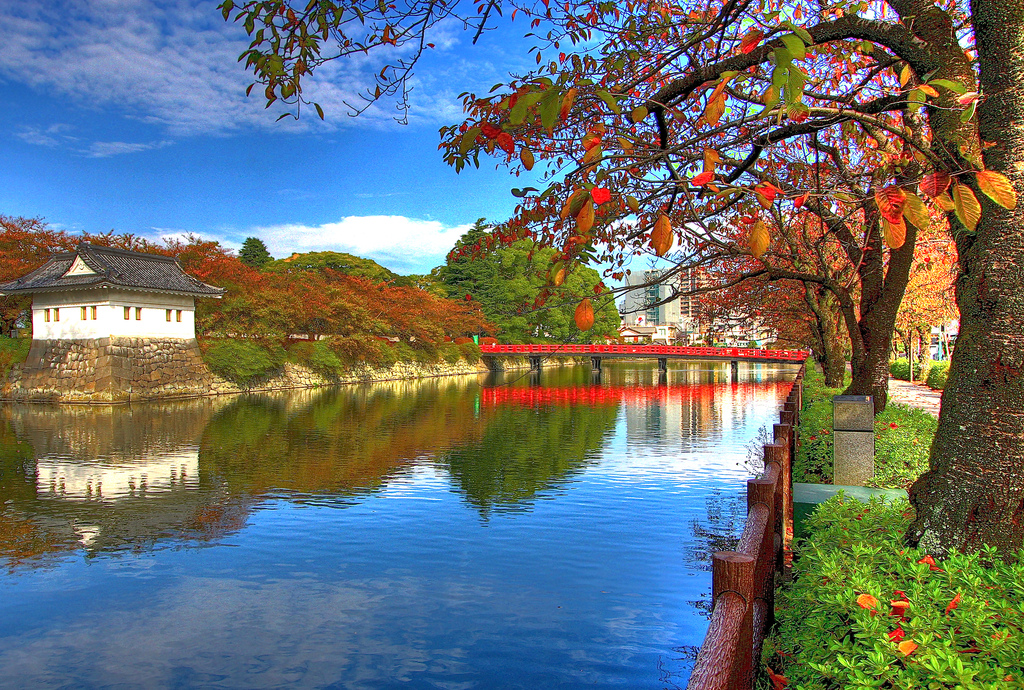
[(470, 532)]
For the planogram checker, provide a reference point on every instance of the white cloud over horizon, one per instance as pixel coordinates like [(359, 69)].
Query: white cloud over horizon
[(404, 245)]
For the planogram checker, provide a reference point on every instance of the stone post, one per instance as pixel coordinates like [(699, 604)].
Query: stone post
[(853, 450)]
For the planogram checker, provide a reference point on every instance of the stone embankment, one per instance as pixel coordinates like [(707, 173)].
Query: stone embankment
[(112, 370)]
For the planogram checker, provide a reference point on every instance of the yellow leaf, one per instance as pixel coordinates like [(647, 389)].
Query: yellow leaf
[(626, 144), (711, 159), (526, 156), (924, 88), (632, 203), (585, 218), (895, 233), (567, 101), (714, 109), (758, 239), (966, 205), (997, 187), (945, 202), (559, 277), (592, 155), (584, 315), (905, 75), (661, 236), (638, 114), (916, 212)]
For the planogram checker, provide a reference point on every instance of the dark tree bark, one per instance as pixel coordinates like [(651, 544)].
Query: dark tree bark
[(973, 494), (828, 334)]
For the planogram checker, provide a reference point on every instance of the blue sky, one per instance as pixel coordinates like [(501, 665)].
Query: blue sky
[(131, 115)]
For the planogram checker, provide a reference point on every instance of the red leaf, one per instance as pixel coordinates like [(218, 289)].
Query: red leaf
[(801, 200), (897, 635), (866, 601), (702, 179), (931, 563), (600, 195), (504, 140), (954, 603), (751, 40), (935, 184), (490, 131)]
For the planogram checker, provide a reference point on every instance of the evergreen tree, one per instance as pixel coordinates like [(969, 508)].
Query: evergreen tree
[(512, 285), (254, 253)]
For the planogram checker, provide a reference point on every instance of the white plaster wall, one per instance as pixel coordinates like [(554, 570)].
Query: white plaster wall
[(110, 321)]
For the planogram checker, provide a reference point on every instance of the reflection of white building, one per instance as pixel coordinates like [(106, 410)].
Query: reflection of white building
[(70, 478)]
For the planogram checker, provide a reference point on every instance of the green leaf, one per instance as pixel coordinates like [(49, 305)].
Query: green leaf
[(518, 112), (319, 110), (467, 140), (548, 108), (953, 86), (795, 85), (968, 112), (611, 101), (782, 57), (797, 49)]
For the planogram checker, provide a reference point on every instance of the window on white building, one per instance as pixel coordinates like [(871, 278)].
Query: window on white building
[(127, 313), (56, 314), (138, 313), (168, 315), (93, 313), (46, 315), (85, 313), (179, 316)]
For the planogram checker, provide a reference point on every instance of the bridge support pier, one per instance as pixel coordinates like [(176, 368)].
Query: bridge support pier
[(595, 364), (662, 363), (535, 362), (734, 368)]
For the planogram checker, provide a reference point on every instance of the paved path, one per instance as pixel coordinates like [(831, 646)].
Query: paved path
[(915, 395)]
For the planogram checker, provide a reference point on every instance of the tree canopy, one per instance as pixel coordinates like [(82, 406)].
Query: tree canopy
[(514, 287), (254, 253)]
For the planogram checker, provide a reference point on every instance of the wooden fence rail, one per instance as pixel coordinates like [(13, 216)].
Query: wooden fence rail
[(743, 581)]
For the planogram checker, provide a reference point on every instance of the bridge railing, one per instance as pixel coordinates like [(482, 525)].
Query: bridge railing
[(743, 581), (644, 350)]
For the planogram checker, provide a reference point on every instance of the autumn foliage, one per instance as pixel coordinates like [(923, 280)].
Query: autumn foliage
[(263, 305)]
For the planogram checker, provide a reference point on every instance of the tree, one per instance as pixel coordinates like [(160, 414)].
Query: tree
[(254, 253), (631, 128), (515, 288)]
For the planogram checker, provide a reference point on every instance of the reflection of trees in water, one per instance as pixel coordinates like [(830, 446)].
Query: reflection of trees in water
[(726, 514), (527, 450), (345, 443)]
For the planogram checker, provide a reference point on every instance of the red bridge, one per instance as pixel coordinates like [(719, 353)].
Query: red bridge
[(537, 353)]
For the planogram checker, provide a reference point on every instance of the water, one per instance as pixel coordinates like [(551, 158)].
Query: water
[(451, 533)]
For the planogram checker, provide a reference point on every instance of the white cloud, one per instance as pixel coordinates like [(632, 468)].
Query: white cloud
[(405, 245), (174, 64), (104, 149)]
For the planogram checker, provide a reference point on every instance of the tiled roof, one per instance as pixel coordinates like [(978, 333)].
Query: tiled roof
[(113, 268)]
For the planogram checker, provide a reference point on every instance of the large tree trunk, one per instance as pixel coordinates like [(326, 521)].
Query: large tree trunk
[(974, 492), (828, 334)]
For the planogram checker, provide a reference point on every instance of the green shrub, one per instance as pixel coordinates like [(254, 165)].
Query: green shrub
[(470, 352), (937, 375), (243, 361), (899, 368), (317, 356), (450, 353), (12, 351), (838, 628)]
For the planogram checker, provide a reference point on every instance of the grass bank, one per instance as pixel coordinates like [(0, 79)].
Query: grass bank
[(865, 610)]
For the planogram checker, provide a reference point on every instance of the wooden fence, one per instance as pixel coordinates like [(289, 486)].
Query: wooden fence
[(743, 581)]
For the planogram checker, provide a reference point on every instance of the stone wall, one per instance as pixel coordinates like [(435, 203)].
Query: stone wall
[(109, 370)]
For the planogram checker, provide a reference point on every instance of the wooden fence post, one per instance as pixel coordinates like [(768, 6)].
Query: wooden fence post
[(733, 572), (775, 453)]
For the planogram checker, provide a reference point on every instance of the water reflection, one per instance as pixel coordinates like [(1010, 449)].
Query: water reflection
[(513, 531)]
